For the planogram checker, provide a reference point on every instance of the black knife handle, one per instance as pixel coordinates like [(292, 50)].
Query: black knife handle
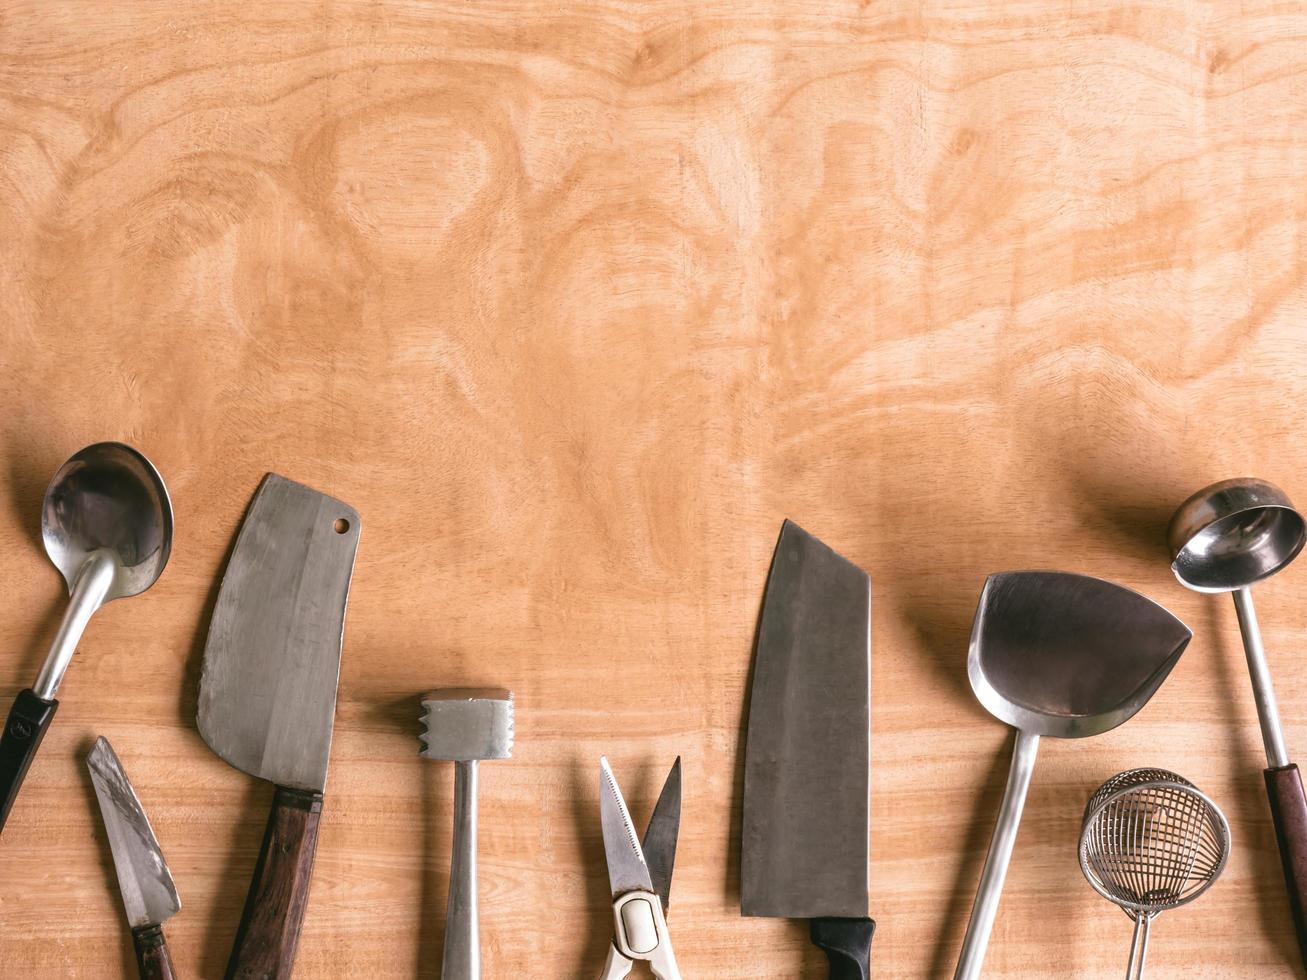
[(269, 931), (847, 944), (24, 728), (152, 953)]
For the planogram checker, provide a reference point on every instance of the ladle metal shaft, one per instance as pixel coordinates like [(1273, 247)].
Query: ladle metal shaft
[(93, 583), (1268, 711)]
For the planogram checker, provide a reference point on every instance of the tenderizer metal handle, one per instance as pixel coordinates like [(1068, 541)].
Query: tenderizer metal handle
[(462, 959), (985, 908)]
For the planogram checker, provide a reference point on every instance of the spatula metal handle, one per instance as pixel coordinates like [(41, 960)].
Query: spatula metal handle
[(985, 908), (152, 953), (24, 728), (847, 944), (269, 931)]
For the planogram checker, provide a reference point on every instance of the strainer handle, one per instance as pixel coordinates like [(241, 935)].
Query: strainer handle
[(1289, 810)]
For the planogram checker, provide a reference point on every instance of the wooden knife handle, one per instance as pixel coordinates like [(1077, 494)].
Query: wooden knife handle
[(847, 944), (152, 953), (24, 728), (274, 908), (1289, 809)]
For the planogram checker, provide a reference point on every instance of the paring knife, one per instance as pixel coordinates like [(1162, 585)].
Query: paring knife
[(268, 694), (806, 769), (149, 895)]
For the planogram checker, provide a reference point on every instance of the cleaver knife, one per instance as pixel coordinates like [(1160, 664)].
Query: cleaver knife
[(804, 852), (268, 694)]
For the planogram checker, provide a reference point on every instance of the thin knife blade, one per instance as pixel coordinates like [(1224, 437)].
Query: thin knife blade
[(627, 871), (272, 660), (149, 895), (808, 746)]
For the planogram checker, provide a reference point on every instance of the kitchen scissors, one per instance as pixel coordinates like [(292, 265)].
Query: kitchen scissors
[(640, 873)]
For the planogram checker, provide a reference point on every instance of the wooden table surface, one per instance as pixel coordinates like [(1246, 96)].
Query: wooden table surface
[(575, 302)]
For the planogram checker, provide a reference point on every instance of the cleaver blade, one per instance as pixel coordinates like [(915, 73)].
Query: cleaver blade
[(807, 752)]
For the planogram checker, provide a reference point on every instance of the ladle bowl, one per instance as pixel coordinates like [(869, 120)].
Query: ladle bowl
[(1233, 534), (109, 497), (107, 526)]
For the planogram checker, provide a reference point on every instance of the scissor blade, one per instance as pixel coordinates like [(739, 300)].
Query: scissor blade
[(659, 842), (627, 871)]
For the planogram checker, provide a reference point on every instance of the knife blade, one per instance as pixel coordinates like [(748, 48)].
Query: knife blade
[(148, 893), (267, 701), (807, 752)]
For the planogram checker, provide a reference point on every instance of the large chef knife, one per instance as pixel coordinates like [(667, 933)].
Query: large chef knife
[(268, 694), (149, 895), (806, 769)]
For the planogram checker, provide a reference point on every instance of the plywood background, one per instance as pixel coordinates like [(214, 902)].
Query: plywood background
[(575, 302)]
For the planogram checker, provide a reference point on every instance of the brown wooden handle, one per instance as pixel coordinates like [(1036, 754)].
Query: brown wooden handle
[(152, 953), (274, 908), (1289, 809)]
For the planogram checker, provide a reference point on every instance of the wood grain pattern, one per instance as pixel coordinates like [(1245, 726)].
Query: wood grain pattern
[(152, 957), (575, 303), (269, 931)]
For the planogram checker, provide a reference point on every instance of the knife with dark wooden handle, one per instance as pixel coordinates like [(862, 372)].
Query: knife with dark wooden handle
[(268, 695)]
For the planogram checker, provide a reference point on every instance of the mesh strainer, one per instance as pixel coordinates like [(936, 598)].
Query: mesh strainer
[(1151, 841)]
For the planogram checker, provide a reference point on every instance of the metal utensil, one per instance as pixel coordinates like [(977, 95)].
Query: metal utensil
[(465, 726), (1151, 841), (107, 526), (640, 876), (268, 694), (807, 757), (1226, 538), (149, 895), (1066, 656)]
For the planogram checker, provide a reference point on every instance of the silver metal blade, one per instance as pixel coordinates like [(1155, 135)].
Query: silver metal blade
[(627, 871), (149, 895), (272, 659), (806, 773), (659, 842)]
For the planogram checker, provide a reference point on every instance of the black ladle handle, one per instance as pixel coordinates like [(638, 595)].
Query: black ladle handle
[(24, 728)]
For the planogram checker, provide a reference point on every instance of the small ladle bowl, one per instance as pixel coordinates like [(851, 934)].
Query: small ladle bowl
[(107, 526), (1233, 534)]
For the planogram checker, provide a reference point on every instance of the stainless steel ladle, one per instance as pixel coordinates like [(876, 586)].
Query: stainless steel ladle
[(1226, 538), (1066, 656), (107, 526)]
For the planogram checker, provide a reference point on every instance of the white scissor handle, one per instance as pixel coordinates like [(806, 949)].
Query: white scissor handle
[(618, 966), (640, 933)]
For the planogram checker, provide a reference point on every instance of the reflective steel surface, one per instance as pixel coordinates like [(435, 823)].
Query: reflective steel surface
[(107, 526), (807, 758), (272, 660), (1234, 533), (149, 895), (627, 871), (1067, 655)]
